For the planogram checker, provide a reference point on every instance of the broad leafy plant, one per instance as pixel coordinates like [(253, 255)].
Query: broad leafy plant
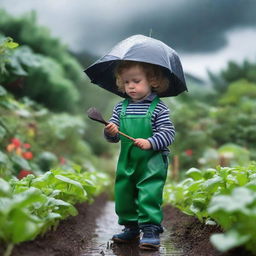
[(225, 196)]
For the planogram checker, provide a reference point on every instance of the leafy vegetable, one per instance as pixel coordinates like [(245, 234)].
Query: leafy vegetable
[(224, 195)]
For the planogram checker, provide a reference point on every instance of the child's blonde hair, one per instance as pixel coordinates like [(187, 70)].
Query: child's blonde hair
[(154, 74)]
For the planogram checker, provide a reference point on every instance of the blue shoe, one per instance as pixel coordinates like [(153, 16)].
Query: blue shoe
[(150, 239), (129, 234)]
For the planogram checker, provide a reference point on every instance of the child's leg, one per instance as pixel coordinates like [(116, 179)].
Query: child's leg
[(150, 185), (126, 198), (150, 190), (126, 208)]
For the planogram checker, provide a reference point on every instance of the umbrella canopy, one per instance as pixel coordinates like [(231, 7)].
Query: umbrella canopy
[(144, 49)]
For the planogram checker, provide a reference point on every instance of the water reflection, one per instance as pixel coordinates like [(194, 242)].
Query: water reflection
[(106, 226), (133, 250)]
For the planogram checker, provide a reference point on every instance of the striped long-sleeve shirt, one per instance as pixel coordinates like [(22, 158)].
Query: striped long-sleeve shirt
[(163, 129)]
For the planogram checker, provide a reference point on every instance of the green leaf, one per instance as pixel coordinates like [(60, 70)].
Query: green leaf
[(209, 173), (23, 113), (68, 180), (44, 180), (194, 209), (242, 178), (2, 132), (89, 185), (210, 222), (237, 201), (3, 158), (3, 92), (5, 206), (251, 185), (194, 173), (5, 189), (31, 195), (12, 45), (20, 162), (24, 226), (79, 188), (19, 224), (199, 202), (55, 192), (64, 208), (252, 176), (212, 184), (194, 186), (53, 216), (229, 240)]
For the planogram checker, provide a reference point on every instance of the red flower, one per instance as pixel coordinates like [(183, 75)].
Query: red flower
[(23, 173), (16, 142), (189, 152), (27, 155), (26, 145), (63, 160)]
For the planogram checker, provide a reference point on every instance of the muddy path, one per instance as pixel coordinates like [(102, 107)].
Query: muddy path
[(106, 226), (90, 232)]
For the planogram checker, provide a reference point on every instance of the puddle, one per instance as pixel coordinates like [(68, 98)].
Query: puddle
[(106, 226)]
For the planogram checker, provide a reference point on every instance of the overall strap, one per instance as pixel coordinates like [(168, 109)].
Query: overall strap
[(150, 109), (124, 106), (153, 106)]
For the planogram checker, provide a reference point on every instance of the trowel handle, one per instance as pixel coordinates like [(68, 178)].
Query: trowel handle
[(125, 135)]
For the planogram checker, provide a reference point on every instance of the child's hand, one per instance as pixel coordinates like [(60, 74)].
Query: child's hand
[(111, 129), (142, 143)]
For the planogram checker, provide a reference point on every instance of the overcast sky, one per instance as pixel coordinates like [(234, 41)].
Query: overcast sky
[(205, 33)]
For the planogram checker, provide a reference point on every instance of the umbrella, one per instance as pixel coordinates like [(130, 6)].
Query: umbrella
[(144, 49)]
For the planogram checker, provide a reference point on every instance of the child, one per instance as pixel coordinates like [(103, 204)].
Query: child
[(142, 165)]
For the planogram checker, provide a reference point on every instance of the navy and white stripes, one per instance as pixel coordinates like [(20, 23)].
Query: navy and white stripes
[(163, 129)]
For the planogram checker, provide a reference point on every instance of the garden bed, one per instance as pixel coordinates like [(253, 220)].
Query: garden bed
[(73, 234), (70, 236), (188, 233)]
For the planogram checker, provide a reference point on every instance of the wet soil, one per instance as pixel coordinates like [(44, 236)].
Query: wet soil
[(89, 233), (192, 236), (106, 226)]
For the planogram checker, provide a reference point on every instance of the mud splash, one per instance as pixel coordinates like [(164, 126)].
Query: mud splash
[(106, 226)]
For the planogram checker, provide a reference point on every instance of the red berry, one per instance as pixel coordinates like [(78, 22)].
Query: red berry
[(16, 142), (189, 152), (63, 160), (26, 145), (27, 155), (23, 173)]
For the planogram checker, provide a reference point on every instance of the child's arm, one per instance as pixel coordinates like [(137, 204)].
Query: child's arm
[(164, 130), (110, 131), (143, 143)]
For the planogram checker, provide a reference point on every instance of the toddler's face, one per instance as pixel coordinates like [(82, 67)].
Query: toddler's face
[(135, 83)]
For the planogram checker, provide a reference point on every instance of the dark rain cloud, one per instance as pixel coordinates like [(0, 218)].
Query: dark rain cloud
[(189, 26), (195, 25)]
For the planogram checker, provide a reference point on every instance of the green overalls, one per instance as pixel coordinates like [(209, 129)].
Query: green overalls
[(141, 174)]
